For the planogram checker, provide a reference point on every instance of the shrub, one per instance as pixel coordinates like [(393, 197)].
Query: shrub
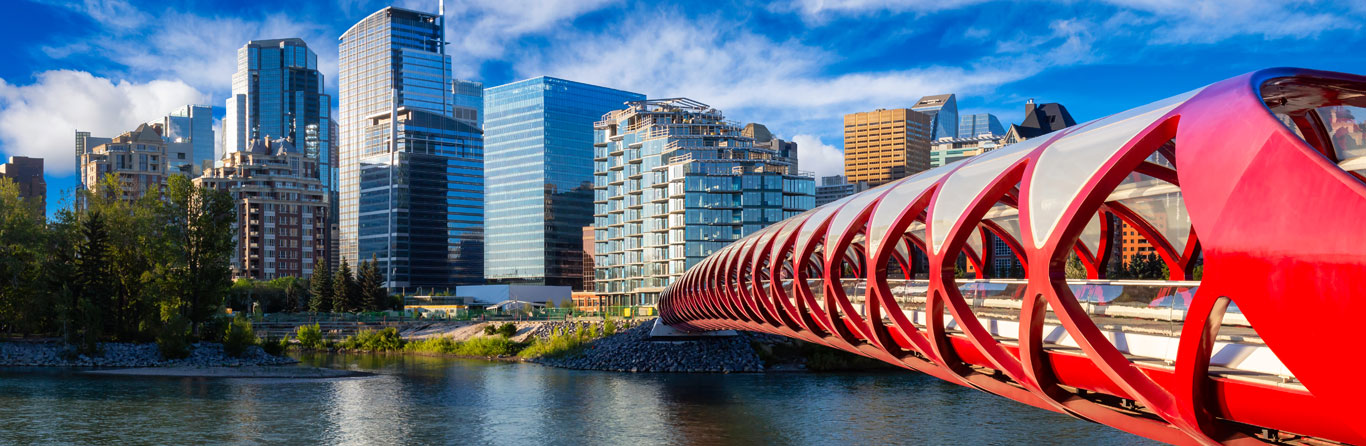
[(490, 329), (173, 338), (273, 346), (377, 341), (609, 327), (560, 344), (239, 337), (215, 328), (592, 331), (310, 336), (484, 346), (507, 330)]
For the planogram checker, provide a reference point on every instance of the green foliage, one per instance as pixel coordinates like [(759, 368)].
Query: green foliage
[(609, 327), (482, 346), (273, 346), (320, 287), (563, 343), (279, 295), (378, 341), (490, 329), (239, 336), (507, 330), (310, 336), (345, 291), (1075, 269), (370, 281), (173, 339)]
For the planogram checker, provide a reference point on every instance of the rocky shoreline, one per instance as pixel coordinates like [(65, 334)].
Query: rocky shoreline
[(120, 354), (633, 351)]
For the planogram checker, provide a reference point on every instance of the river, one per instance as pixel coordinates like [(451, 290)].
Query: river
[(425, 400)]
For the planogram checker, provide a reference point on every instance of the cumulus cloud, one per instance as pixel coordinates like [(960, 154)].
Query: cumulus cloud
[(813, 155), (199, 50), (40, 119)]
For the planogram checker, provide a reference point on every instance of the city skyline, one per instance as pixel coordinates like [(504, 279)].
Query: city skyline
[(993, 55)]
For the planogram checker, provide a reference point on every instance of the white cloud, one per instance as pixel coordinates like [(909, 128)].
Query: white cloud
[(482, 29), (818, 11), (40, 119), (813, 155), (199, 50), (1206, 21)]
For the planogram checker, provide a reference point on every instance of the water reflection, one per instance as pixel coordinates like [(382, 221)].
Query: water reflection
[(422, 400)]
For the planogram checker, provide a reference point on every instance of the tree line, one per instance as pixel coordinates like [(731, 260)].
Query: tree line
[(155, 268), (113, 269)]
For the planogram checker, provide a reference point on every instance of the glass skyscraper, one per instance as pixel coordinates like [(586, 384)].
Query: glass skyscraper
[(943, 111), (469, 101), (412, 187), (192, 125), (674, 181), (979, 124), (277, 92), (539, 177)]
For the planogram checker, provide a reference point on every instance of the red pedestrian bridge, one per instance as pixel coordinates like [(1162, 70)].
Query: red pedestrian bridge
[(1254, 182)]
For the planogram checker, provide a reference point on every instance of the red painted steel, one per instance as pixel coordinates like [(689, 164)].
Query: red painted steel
[(1279, 226)]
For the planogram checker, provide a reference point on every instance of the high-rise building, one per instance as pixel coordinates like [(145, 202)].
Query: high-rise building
[(882, 146), (189, 139), (277, 92), (412, 180), (85, 142), (281, 226), (468, 97), (539, 176), (943, 111), (27, 173), (137, 159), (764, 140), (835, 187), (588, 244), (674, 182), (978, 124)]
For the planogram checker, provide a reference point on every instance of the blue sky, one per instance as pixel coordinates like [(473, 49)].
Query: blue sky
[(107, 65)]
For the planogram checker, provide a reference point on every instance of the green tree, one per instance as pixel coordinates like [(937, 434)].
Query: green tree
[(199, 227), (344, 289), (372, 286), (94, 295), (320, 287), (21, 254)]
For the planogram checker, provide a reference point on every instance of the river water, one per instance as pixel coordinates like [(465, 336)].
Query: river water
[(424, 400)]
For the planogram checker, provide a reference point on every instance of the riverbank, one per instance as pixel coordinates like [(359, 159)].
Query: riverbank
[(625, 347), (119, 354)]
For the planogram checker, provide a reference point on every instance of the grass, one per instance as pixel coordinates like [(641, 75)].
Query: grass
[(562, 343)]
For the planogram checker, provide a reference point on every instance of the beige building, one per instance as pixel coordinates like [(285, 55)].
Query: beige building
[(136, 158), (881, 146), (281, 207)]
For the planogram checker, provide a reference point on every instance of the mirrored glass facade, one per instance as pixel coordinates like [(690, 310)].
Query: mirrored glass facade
[(411, 188), (943, 111), (978, 124), (192, 125), (674, 182), (277, 92), (539, 176)]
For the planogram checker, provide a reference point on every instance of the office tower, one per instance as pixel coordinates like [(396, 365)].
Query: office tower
[(85, 142), (28, 174), (674, 182), (412, 180), (188, 132), (277, 92), (468, 97), (539, 176), (978, 124), (835, 187), (943, 111), (881, 146), (136, 158), (281, 205)]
